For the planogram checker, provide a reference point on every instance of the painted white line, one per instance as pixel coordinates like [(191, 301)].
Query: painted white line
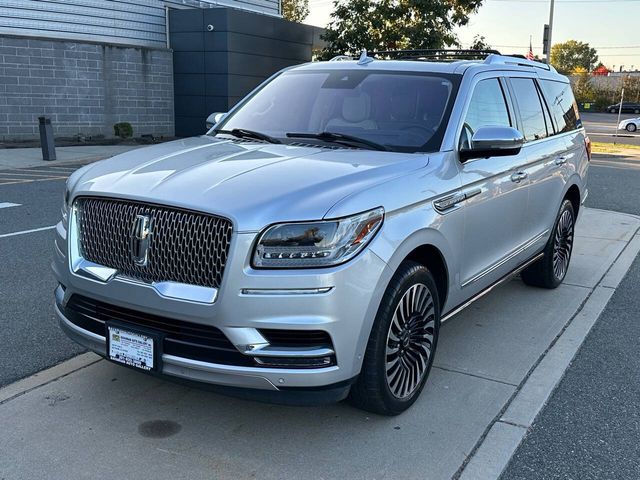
[(24, 232), (9, 205)]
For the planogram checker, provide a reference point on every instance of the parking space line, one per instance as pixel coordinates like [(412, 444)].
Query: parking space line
[(9, 204), (67, 167), (24, 232), (28, 174), (6, 181), (42, 170)]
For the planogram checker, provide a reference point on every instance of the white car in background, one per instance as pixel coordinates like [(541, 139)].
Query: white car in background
[(630, 124)]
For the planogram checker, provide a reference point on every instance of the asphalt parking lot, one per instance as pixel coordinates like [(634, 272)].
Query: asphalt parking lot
[(101, 412)]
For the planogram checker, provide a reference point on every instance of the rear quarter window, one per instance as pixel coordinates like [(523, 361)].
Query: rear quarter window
[(534, 123), (562, 105)]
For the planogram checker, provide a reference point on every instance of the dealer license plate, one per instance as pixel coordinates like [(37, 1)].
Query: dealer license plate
[(131, 348)]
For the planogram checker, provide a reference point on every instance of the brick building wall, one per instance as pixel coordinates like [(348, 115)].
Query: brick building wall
[(84, 87)]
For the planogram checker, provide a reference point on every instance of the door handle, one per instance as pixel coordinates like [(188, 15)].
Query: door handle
[(561, 161), (519, 176)]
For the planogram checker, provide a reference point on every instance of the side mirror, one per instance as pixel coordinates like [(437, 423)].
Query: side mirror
[(214, 118), (493, 142)]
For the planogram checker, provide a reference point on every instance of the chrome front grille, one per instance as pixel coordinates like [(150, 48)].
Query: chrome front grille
[(185, 247)]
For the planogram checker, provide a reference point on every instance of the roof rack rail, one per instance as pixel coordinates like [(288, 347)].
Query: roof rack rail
[(341, 58), (437, 54), (431, 54), (517, 60)]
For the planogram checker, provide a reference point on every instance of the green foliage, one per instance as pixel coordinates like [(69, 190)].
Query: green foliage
[(394, 24), (590, 89), (480, 43), (295, 10), (571, 55), (123, 130)]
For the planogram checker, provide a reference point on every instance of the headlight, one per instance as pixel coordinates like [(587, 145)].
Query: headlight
[(316, 244)]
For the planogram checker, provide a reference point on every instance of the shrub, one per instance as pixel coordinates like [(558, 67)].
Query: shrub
[(123, 130)]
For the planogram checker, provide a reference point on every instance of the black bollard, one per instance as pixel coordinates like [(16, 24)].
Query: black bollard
[(46, 139)]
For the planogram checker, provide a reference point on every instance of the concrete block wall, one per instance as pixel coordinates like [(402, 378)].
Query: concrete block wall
[(84, 87)]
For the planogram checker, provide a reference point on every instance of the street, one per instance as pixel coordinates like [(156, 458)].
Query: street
[(33, 340), (602, 127)]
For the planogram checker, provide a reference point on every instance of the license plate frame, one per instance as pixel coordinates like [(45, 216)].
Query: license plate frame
[(148, 342)]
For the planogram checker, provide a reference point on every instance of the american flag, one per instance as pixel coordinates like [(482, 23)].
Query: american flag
[(530, 52)]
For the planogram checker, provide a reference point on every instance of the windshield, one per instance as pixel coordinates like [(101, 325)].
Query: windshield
[(402, 111)]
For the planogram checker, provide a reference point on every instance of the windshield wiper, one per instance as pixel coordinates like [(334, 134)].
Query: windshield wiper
[(244, 133), (339, 137)]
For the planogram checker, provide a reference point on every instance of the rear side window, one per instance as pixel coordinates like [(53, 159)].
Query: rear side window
[(562, 105), (486, 108), (534, 126)]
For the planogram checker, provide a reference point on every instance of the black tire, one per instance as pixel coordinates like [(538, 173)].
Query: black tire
[(389, 383), (550, 270), (631, 127)]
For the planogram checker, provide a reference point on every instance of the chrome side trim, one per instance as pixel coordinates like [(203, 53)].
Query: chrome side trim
[(450, 202), (284, 291), (481, 294), (520, 249)]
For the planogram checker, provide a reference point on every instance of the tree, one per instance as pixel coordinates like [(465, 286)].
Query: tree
[(394, 24), (582, 86), (480, 43), (571, 55), (295, 10)]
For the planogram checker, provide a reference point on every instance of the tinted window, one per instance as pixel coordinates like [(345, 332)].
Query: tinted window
[(403, 111), (487, 107), (534, 126), (562, 105)]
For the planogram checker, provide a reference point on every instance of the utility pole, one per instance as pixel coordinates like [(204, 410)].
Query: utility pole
[(615, 137), (550, 32)]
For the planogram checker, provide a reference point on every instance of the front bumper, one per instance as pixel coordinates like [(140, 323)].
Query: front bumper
[(341, 301)]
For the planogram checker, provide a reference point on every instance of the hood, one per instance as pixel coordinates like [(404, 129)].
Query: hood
[(253, 184)]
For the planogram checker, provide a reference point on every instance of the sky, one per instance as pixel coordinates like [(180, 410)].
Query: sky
[(610, 26)]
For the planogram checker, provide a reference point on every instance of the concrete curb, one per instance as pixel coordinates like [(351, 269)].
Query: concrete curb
[(494, 451), (49, 375)]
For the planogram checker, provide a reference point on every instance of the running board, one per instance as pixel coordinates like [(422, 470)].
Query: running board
[(482, 293)]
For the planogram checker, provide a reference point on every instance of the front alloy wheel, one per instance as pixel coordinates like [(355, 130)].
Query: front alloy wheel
[(410, 341), (402, 343)]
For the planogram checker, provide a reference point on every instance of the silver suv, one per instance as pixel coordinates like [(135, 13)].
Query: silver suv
[(308, 247)]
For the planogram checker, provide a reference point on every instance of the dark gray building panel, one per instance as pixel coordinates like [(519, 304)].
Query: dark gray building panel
[(238, 53)]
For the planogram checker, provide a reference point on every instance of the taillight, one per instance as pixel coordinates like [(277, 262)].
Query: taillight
[(587, 143)]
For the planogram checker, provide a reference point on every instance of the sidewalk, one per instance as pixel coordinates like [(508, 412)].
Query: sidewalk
[(11, 158), (496, 365)]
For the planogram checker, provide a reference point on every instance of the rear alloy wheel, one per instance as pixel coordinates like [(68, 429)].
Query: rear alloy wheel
[(631, 127), (403, 340), (550, 270)]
